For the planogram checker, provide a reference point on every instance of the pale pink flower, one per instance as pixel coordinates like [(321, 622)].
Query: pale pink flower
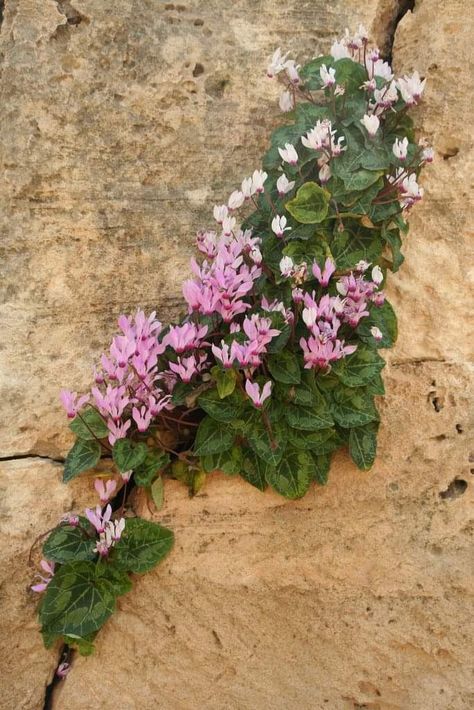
[(220, 212), (257, 397), (377, 275), (286, 266), (324, 174), (71, 403), (236, 200), (411, 88), (63, 669), (324, 276), (292, 71), (286, 101), (258, 179), (284, 185), (105, 490), (48, 568), (328, 76), (339, 50), (276, 63), (400, 148), (142, 418), (376, 333), (288, 154), (410, 191), (371, 124), (247, 187), (279, 225), (99, 519)]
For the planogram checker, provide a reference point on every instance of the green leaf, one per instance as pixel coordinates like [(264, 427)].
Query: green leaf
[(322, 441), (119, 579), (67, 543), (363, 445), (354, 245), (157, 491), (311, 204), (270, 451), (154, 462), (350, 74), (309, 419), (89, 425), (392, 237), (360, 179), (212, 437), (285, 368), (293, 476), (384, 318), (359, 368), (254, 470), (143, 544), (77, 601), (278, 343), (322, 463), (85, 646), (128, 455), (180, 391), (83, 456), (229, 461), (353, 407), (376, 386), (225, 380), (224, 410)]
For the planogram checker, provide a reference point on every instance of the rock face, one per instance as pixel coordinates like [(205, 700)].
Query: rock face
[(122, 124)]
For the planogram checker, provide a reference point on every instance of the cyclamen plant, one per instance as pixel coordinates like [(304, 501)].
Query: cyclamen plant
[(276, 363)]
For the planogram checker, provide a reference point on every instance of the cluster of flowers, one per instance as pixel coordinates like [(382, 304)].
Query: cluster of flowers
[(109, 531), (383, 91)]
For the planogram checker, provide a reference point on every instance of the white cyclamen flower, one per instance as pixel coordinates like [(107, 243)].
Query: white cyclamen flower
[(324, 174), (256, 255), (371, 124), (376, 333), (279, 225), (236, 200), (286, 101), (258, 178), (220, 212), (276, 64), (411, 88), (377, 275), (400, 148), (292, 71), (284, 185), (246, 187), (228, 225), (288, 154), (309, 316), (339, 50), (286, 266), (328, 76)]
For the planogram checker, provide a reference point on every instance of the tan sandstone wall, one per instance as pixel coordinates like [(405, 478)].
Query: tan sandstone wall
[(122, 123)]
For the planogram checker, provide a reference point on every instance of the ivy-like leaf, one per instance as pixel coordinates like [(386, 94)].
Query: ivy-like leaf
[(157, 491), (67, 543), (119, 579), (363, 445), (254, 469), (285, 368), (309, 419), (128, 455), (269, 450), (321, 441), (322, 463), (212, 437), (77, 601), (89, 425), (392, 238), (83, 456), (225, 381), (154, 461), (350, 74), (311, 204), (293, 475), (143, 544), (228, 461), (223, 410), (384, 318), (360, 368), (353, 407)]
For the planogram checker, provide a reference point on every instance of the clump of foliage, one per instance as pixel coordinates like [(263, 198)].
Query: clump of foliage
[(276, 363)]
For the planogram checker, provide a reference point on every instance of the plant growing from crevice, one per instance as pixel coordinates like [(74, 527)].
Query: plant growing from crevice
[(276, 363)]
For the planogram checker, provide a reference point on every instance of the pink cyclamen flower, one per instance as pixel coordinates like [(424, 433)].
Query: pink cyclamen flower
[(105, 490), (99, 519), (257, 397), (411, 88), (63, 669), (71, 519), (47, 567), (71, 403), (258, 179), (324, 276)]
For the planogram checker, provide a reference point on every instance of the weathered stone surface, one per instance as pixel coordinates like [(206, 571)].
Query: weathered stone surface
[(32, 500), (357, 595), (122, 124)]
